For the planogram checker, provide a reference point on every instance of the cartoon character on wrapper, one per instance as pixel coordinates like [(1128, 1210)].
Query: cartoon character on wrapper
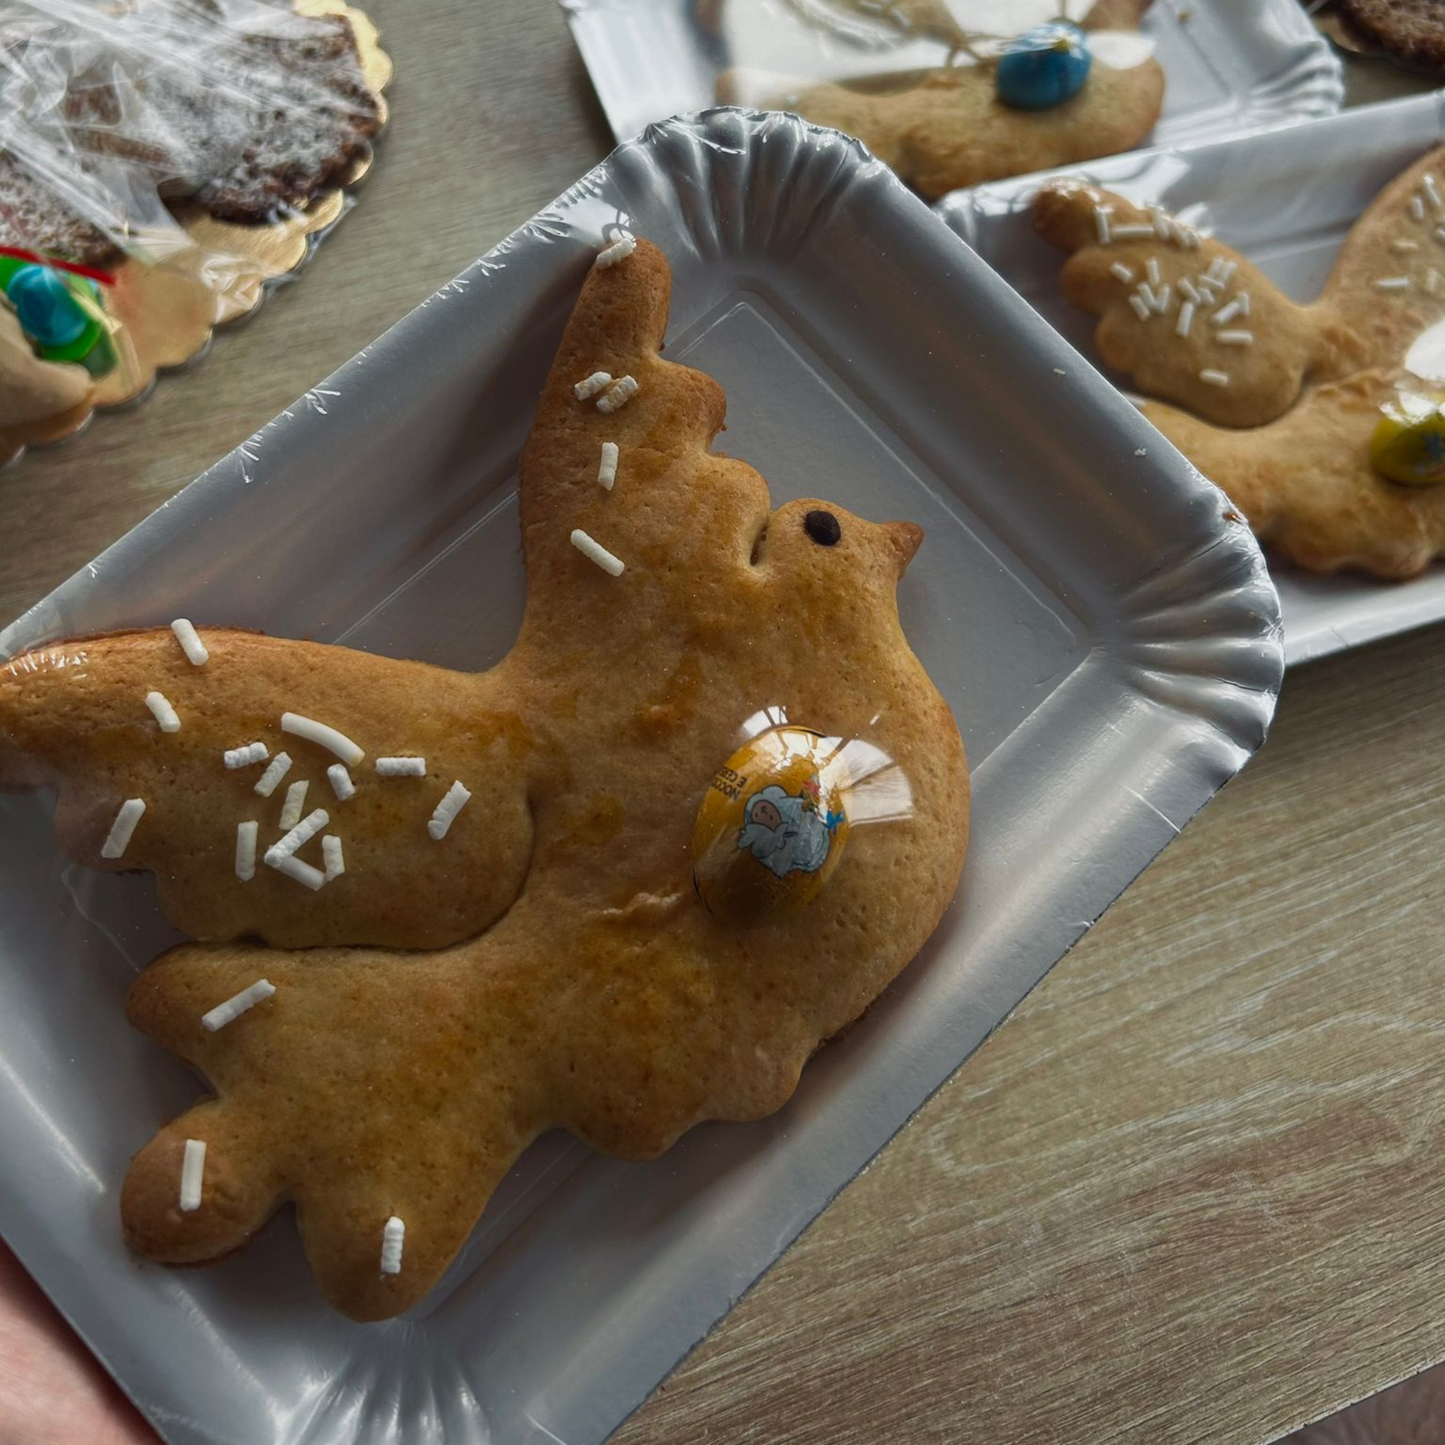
[(772, 826)]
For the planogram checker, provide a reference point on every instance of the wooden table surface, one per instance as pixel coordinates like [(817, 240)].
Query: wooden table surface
[(1193, 1191)]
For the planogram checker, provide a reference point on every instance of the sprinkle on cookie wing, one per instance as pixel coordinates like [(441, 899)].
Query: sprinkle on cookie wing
[(80, 717), (1187, 318)]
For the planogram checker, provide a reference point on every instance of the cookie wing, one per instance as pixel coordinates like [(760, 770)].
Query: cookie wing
[(621, 493), (126, 720), (1386, 294), (1188, 319)]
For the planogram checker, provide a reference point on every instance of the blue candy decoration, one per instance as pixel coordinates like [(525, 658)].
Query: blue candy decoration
[(47, 310), (1043, 67)]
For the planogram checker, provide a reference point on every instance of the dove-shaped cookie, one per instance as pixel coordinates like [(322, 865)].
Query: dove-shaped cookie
[(627, 880), (959, 124), (1284, 401)]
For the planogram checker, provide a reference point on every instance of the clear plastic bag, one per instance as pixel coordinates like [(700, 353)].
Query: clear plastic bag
[(120, 124)]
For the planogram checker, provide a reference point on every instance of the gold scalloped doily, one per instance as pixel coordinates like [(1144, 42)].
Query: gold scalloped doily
[(169, 312)]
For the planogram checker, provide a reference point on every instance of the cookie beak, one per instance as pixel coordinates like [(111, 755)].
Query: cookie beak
[(906, 538)]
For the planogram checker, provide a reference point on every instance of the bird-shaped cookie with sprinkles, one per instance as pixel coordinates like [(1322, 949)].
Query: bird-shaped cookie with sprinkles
[(627, 880), (1322, 422)]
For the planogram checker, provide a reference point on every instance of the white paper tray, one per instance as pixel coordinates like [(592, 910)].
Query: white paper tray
[(1111, 652), (1286, 199), (1231, 64)]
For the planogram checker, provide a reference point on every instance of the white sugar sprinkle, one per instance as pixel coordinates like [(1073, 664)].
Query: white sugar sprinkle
[(1405, 247), (1101, 223), (1227, 313), (1163, 226), (1132, 233), (190, 641), (244, 757), (293, 867), (295, 802), (618, 395), (280, 766), (1164, 299), (323, 736), (234, 1007), (246, 850), (1432, 281), (1433, 191), (1439, 236), (1146, 294), (331, 856), (1151, 269), (1393, 283), (455, 800), (1417, 208), (596, 552), (1122, 272), (341, 783), (1235, 338), (393, 1236), (1186, 319), (300, 835), (587, 388), (401, 767), (163, 712), (118, 840), (193, 1166), (1141, 310), (607, 471), (1215, 378), (619, 250), (1187, 287)]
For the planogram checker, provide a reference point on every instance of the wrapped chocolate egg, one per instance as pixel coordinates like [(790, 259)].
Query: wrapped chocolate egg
[(1043, 67), (772, 827), (1408, 444)]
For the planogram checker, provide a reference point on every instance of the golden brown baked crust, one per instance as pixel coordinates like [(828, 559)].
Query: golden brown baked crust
[(604, 997), (1308, 385), (951, 130)]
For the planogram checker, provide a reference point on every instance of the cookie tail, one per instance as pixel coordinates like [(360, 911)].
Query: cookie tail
[(365, 1086)]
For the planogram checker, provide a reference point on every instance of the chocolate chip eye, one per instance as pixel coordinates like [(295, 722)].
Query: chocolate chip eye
[(823, 528)]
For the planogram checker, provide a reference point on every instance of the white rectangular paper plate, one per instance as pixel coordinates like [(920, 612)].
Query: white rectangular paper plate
[(1107, 639), (1231, 64), (1286, 199)]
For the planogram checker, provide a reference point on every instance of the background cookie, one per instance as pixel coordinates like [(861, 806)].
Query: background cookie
[(1192, 322), (1412, 29), (951, 129), (387, 1090)]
